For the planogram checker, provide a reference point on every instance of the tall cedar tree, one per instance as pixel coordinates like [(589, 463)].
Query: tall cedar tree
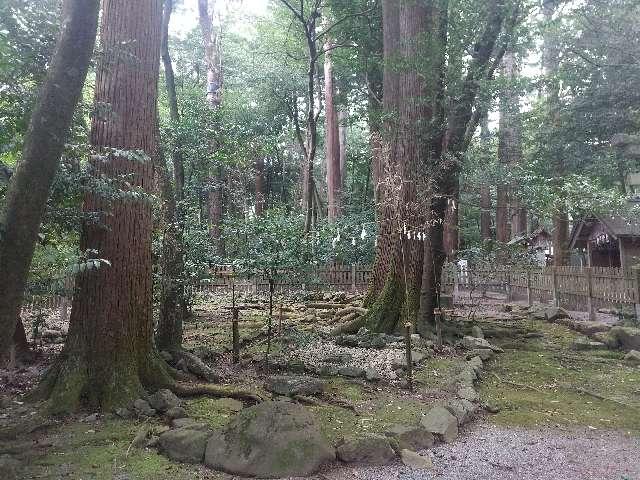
[(332, 140), (213, 61), (30, 185), (110, 357)]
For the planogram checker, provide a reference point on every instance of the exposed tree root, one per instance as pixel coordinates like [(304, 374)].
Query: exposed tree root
[(589, 393), (515, 384), (195, 365), (350, 327), (217, 391), (338, 402)]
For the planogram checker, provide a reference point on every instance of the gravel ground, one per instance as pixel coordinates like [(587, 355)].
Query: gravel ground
[(487, 452)]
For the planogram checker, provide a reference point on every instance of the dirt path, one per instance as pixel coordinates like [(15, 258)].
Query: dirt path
[(487, 452)]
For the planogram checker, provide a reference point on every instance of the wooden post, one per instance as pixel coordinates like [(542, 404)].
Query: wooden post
[(509, 292), (407, 342), (529, 292), (554, 287), (456, 288), (590, 309), (353, 278), (235, 333), (281, 314), (636, 286)]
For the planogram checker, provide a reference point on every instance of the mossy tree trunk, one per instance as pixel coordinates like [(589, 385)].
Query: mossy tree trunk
[(110, 357)]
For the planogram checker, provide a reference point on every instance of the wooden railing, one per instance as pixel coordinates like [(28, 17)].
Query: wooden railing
[(577, 288)]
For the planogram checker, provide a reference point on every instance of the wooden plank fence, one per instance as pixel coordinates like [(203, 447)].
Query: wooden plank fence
[(576, 288)]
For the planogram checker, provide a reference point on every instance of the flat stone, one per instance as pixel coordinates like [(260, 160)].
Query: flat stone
[(372, 375), (142, 407), (485, 354), (369, 449), (413, 460), (462, 409), (468, 393), (352, 372), (555, 313), (338, 358), (441, 422), (633, 357), (583, 345), (626, 338), (466, 377), (270, 440), (414, 437), (292, 385), (475, 363), (183, 422), (163, 400), (186, 444), (472, 343)]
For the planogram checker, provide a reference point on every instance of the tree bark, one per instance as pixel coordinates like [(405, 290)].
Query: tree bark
[(172, 298), (551, 63), (213, 60), (109, 357), (485, 191), (48, 128), (332, 141), (398, 265), (343, 118), (261, 194)]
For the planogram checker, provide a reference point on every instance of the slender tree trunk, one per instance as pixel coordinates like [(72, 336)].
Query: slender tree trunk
[(48, 128), (485, 190), (451, 228), (261, 197), (172, 298), (551, 63), (213, 60), (343, 118), (332, 141), (109, 357)]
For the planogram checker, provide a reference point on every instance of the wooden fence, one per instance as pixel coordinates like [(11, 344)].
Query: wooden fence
[(576, 288)]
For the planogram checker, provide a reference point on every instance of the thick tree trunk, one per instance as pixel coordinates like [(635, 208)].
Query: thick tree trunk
[(451, 228), (343, 119), (172, 298), (485, 212), (48, 128), (332, 141), (398, 266), (110, 357), (261, 194)]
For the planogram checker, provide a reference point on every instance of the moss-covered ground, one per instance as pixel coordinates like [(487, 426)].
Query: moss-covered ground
[(542, 381)]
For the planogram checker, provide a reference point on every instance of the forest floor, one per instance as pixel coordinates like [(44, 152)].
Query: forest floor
[(563, 413)]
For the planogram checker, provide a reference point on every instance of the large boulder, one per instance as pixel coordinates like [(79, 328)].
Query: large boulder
[(369, 449), (462, 409), (415, 461), (633, 357), (441, 422), (269, 440), (626, 338), (473, 343), (293, 385), (186, 444), (553, 314), (414, 437)]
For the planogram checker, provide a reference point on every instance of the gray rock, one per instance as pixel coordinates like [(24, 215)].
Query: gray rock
[(372, 375), (370, 449), (183, 422), (441, 422), (163, 400), (91, 418), (475, 363), (327, 371), (348, 340), (626, 338), (584, 344), (270, 440), (186, 444), (477, 332), (473, 343), (352, 372), (166, 356), (468, 393), (466, 377), (485, 354), (555, 313), (142, 407), (413, 460), (296, 366), (175, 413), (290, 385), (633, 357), (123, 413), (9, 467), (462, 409), (416, 357), (339, 358), (411, 437)]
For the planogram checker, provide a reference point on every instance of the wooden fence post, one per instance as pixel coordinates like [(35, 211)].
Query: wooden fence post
[(408, 355), (554, 287), (508, 282), (529, 292), (636, 286), (590, 309)]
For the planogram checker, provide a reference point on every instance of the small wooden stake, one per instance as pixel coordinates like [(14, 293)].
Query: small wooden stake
[(235, 333), (407, 341)]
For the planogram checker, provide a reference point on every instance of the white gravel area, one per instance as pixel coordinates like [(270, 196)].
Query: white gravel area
[(487, 452)]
